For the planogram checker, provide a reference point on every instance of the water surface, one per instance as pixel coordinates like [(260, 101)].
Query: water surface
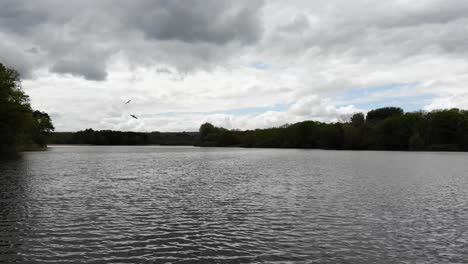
[(225, 205)]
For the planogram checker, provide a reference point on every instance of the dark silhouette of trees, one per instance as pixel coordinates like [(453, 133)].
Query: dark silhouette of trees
[(358, 119), (108, 137), (387, 128), (210, 133), (42, 127), (21, 128), (383, 113)]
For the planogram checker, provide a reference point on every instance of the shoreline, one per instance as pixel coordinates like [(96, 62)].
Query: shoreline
[(242, 147)]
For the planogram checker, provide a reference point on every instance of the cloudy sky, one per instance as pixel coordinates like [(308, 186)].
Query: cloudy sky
[(238, 64)]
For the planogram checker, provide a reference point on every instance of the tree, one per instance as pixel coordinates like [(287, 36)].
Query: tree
[(331, 136), (446, 127), (383, 113), (206, 129), (394, 133), (15, 111), (210, 135), (20, 127), (43, 126), (352, 137), (358, 119)]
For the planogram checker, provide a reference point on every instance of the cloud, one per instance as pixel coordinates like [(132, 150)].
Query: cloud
[(90, 70), (186, 34), (454, 101), (82, 58), (208, 21), (310, 108), (316, 108)]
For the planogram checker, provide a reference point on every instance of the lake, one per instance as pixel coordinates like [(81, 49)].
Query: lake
[(87, 204)]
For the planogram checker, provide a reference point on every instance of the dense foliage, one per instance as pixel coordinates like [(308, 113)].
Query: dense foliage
[(108, 137), (386, 128), (21, 128)]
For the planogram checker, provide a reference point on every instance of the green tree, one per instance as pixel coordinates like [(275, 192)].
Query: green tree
[(383, 113), (43, 127), (20, 127), (358, 119), (394, 133), (15, 111), (446, 129), (205, 130), (352, 137), (331, 136)]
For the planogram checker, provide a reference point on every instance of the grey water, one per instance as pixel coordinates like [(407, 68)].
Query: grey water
[(85, 204)]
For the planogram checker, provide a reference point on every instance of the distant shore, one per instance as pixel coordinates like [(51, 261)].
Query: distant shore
[(243, 147), (388, 128)]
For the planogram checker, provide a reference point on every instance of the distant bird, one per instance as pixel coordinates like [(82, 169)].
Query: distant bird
[(134, 116), (128, 101)]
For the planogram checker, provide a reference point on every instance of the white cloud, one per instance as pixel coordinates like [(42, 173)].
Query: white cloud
[(454, 101)]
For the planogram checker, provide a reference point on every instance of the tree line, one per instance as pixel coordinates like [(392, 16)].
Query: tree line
[(388, 128), (109, 137), (21, 127)]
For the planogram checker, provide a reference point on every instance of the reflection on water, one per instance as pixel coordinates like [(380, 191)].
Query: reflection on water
[(191, 205)]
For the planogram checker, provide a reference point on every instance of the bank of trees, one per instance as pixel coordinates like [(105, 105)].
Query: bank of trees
[(386, 128), (109, 137), (21, 128)]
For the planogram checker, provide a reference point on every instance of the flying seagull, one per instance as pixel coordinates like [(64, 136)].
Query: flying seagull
[(128, 101), (134, 116)]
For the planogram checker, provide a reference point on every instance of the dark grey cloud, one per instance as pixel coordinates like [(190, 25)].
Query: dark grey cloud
[(210, 21), (16, 16), (22, 60), (423, 13), (70, 34), (81, 37), (90, 70)]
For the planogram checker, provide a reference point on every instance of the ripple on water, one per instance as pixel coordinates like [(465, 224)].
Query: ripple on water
[(191, 205)]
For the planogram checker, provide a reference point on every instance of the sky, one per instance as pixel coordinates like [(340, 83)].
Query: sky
[(241, 64)]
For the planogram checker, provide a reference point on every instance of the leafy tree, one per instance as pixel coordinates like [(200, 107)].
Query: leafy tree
[(383, 113), (207, 132), (302, 135), (43, 127), (21, 128), (352, 137), (331, 136), (15, 111), (446, 127), (394, 133), (358, 119)]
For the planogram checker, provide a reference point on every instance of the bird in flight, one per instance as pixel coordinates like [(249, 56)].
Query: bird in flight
[(134, 116), (128, 101)]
